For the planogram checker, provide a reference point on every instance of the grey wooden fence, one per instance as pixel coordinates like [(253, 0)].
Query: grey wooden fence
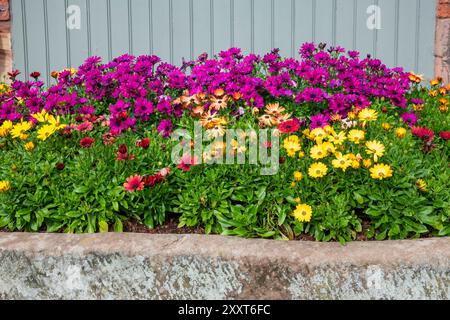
[(174, 29)]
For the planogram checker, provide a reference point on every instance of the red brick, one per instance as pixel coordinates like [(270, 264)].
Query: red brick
[(443, 9)]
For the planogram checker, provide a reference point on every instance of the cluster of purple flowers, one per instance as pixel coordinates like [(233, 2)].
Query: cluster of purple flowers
[(131, 89)]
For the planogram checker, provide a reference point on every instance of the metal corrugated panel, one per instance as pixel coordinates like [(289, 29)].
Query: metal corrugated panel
[(176, 29)]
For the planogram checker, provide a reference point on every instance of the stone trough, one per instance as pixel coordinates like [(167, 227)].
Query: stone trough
[(142, 266)]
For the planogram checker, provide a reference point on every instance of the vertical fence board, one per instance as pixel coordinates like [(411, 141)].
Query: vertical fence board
[(140, 12), (242, 25), (282, 26), (262, 26), (161, 29), (203, 28), (181, 31)]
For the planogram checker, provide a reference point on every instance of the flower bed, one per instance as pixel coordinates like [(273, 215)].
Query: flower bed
[(331, 145)]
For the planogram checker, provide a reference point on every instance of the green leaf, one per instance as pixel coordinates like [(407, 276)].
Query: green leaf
[(118, 226)]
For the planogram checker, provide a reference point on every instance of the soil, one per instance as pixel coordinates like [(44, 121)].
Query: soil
[(171, 227)]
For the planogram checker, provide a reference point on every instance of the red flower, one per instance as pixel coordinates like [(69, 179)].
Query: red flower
[(151, 181), (35, 75), (108, 139), (422, 133), (13, 74), (122, 154), (292, 125), (86, 142), (445, 135), (60, 166), (134, 183), (144, 143)]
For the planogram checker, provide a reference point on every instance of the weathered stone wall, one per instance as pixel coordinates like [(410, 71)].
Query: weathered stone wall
[(442, 46), (139, 266)]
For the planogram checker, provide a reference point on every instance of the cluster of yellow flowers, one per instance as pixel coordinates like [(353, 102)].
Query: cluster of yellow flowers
[(328, 142), (18, 130), (439, 91), (51, 124)]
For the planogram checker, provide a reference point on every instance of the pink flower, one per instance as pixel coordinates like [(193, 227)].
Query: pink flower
[(445, 135), (422, 133), (84, 127), (292, 125), (187, 161), (134, 183)]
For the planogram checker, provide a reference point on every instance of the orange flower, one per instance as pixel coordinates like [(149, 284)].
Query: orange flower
[(219, 103)]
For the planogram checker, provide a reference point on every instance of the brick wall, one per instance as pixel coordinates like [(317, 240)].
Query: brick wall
[(5, 39), (442, 45)]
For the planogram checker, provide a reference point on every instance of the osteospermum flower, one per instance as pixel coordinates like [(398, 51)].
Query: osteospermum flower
[(381, 171), (29, 146), (367, 114), (298, 176), (318, 152), (289, 126), (4, 186), (318, 134), (341, 162), (376, 148), (400, 133), (46, 131), (134, 183), (445, 135), (86, 142), (267, 120), (303, 213), (423, 133), (19, 129), (209, 120), (41, 116), (317, 170), (274, 109), (215, 132), (292, 145), (356, 136), (337, 138), (5, 128)]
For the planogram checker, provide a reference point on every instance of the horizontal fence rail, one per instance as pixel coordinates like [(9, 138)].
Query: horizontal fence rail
[(51, 35)]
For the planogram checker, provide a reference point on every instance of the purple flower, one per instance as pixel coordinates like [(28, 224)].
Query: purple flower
[(165, 127), (409, 118), (319, 121)]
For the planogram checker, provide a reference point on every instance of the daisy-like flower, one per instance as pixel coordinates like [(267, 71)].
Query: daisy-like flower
[(218, 103), (337, 138), (298, 176), (347, 124), (318, 134), (356, 136), (187, 161), (303, 213), (367, 163), (197, 111), (5, 128), (318, 152), (366, 115), (423, 133), (19, 129), (417, 78), (4, 186), (46, 131), (317, 170), (289, 126), (284, 117), (386, 126), (86, 142), (134, 183), (376, 148), (342, 161), (445, 135), (328, 147), (274, 109), (292, 145), (29, 146), (400, 133), (41, 116), (381, 171), (215, 132), (267, 120), (209, 120)]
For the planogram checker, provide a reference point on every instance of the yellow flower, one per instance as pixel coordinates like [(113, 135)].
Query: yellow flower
[(328, 147), (351, 115), (400, 133), (301, 154), (46, 131), (356, 164), (303, 213), (318, 134), (386, 126), (293, 184), (421, 185), (433, 93), (4, 186), (443, 108), (337, 138), (298, 200), (356, 135), (341, 161), (29, 146), (381, 171), (367, 163), (367, 114), (376, 148), (292, 145), (307, 134), (298, 176), (5, 128), (19, 130), (41, 116), (435, 82), (317, 170), (318, 152)]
